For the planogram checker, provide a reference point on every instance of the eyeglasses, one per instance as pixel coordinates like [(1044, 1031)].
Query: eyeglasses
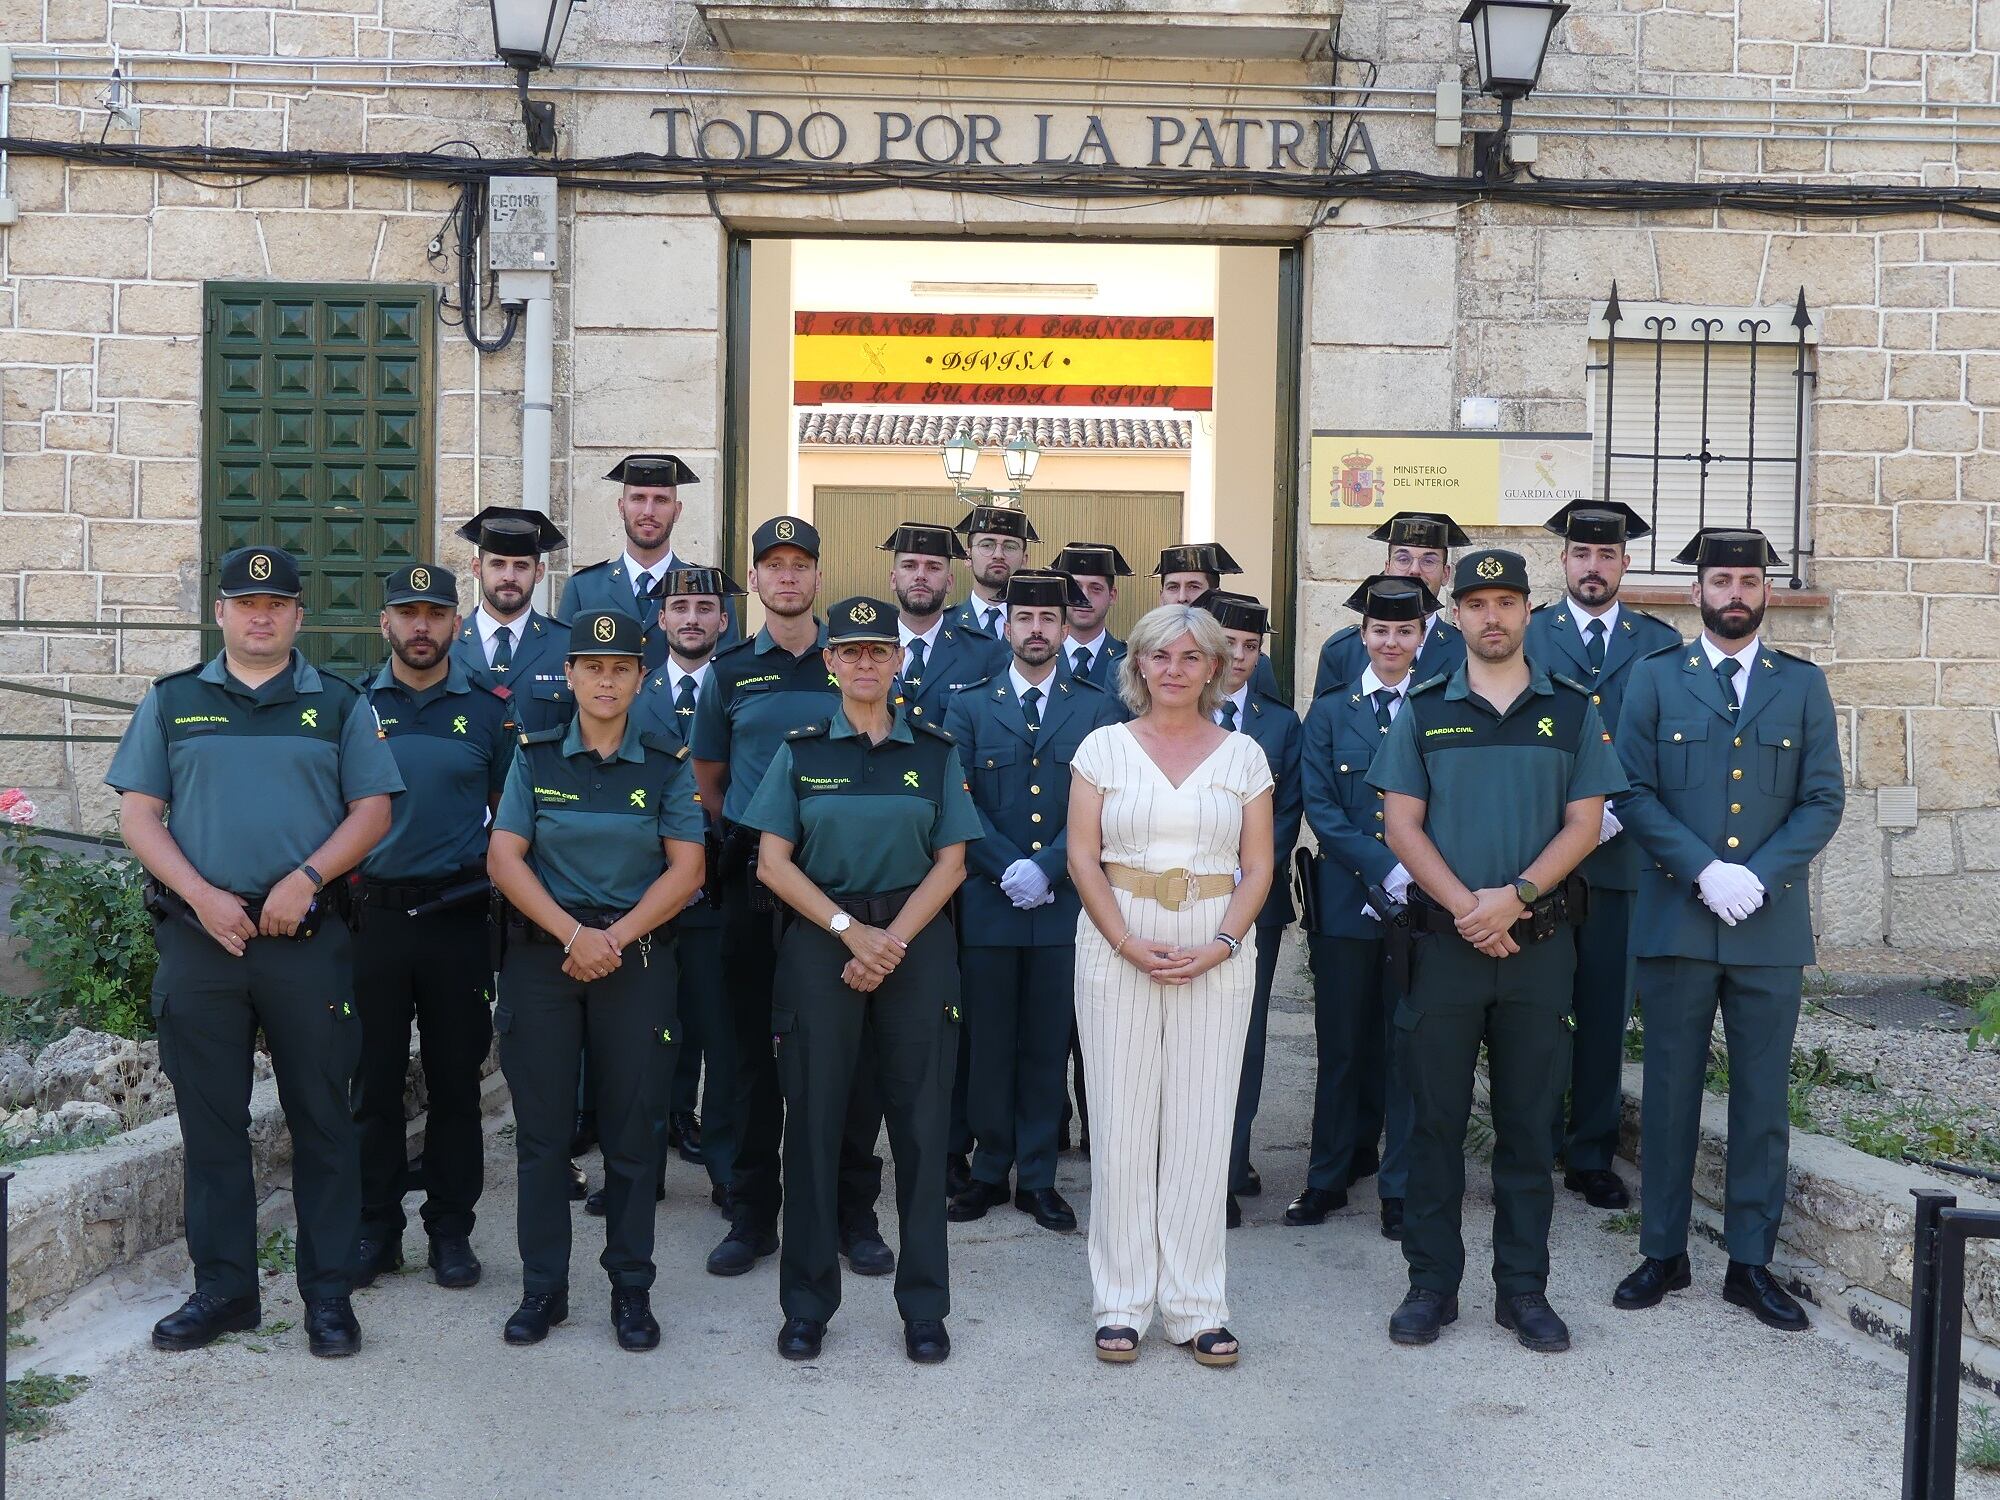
[(1006, 546), (854, 653)]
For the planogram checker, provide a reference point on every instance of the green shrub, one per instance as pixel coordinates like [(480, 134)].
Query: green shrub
[(1916, 1128), (30, 1397), (85, 928), (1980, 1448)]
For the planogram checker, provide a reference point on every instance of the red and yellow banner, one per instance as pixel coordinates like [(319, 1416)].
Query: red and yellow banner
[(1003, 359)]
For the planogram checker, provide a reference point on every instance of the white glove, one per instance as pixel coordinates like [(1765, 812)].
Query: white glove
[(1608, 828), (1397, 884), (1025, 885), (1732, 892)]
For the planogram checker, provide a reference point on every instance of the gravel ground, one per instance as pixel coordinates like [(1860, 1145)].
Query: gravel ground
[(1694, 1399)]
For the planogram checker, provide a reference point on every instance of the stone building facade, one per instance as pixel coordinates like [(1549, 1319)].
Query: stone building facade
[(1407, 306)]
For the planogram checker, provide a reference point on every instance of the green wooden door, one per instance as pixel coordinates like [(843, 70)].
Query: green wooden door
[(316, 405)]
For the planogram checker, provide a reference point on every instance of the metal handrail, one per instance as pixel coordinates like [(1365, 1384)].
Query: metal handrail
[(1937, 1317)]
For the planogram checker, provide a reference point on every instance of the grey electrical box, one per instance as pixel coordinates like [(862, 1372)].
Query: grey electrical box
[(521, 224)]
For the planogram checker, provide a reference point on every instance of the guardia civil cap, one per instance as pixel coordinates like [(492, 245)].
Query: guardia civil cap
[(860, 620), (258, 570), (677, 581), (1195, 557), (1234, 611), (1390, 596), (785, 531), (507, 532), (1043, 588), (1094, 559), (931, 541), (652, 471), (1724, 547), (1489, 568), (998, 520), (1611, 522), (1421, 528), (421, 583), (605, 632)]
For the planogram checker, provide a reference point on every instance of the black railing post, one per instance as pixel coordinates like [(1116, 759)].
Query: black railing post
[(1753, 327), (1917, 1453), (1707, 328), (1802, 321), (1659, 324), (1613, 316), (1941, 1427)]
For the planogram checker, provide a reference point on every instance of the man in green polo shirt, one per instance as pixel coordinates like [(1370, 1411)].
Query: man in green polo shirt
[(278, 783), (1495, 779)]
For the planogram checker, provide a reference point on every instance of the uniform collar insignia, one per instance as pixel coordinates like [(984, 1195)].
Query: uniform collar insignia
[(1355, 699), (1625, 622), (1769, 663), (1694, 661)]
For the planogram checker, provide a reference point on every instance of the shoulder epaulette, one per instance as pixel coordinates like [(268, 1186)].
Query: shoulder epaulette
[(327, 674), (1569, 682), (665, 744), (987, 681), (1535, 611), (1673, 649), (1790, 655), (1430, 682), (1647, 614), (936, 732), (544, 736), (1340, 635), (603, 562), (1068, 682), (807, 731), (733, 647), (192, 671)]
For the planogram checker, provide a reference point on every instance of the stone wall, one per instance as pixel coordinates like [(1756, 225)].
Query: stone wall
[(100, 338)]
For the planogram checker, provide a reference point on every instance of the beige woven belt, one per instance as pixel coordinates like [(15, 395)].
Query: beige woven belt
[(1173, 889)]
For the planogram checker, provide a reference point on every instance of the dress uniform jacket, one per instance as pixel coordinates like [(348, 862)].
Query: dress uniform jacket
[(203, 743), (1760, 787), (1104, 661), (970, 618), (1343, 656), (955, 661), (532, 684), (607, 585)]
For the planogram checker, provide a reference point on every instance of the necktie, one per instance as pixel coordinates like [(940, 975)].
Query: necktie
[(503, 648), (642, 588), (1031, 708), (684, 699), (992, 621), (1725, 673), (1593, 644), (913, 664), (1079, 661), (1382, 698), (1226, 715)]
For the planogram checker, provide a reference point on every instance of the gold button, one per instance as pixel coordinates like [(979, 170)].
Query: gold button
[(1343, 765), (1034, 791), (1036, 846), (1034, 760), (1380, 795), (1378, 817), (1737, 774), (1736, 807), (1034, 817), (1595, 699), (917, 711), (1733, 841), (1788, 744), (1378, 838), (1677, 739)]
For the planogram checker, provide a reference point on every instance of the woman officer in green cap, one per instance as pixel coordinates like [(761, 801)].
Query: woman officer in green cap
[(596, 844), (864, 820)]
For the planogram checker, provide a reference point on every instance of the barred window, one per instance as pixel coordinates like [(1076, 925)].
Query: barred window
[(1700, 416)]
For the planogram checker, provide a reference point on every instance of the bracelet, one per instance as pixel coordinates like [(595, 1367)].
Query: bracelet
[(1119, 946), (318, 880), (1230, 943), (572, 939)]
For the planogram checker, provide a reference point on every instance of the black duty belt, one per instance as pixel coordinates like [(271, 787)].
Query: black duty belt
[(534, 932), (336, 900), (406, 894), (1565, 906), (875, 911)]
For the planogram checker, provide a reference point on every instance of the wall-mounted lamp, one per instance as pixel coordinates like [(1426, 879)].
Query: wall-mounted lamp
[(527, 34), (1510, 40)]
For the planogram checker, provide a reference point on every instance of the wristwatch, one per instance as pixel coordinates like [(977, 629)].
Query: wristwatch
[(839, 922), (1526, 890), (318, 880)]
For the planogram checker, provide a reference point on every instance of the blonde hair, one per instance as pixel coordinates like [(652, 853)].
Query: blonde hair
[(1160, 628)]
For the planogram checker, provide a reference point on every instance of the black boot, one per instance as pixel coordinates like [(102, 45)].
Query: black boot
[(202, 1319), (1600, 1189), (1646, 1286), (1420, 1317), (740, 1250), (1755, 1288), (1533, 1322), (331, 1331), (800, 1338), (1313, 1205), (537, 1314), (632, 1317), (866, 1253), (374, 1255), (684, 1134), (453, 1264), (926, 1342)]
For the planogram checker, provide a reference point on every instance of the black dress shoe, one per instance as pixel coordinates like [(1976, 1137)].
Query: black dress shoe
[(957, 1174), (331, 1332), (1420, 1317), (1313, 1205), (926, 1342), (1754, 1287), (1646, 1286), (1048, 1208), (800, 1338), (583, 1134), (452, 1262), (866, 1254), (537, 1314), (719, 1196), (202, 1319), (684, 1134), (1600, 1189), (1249, 1185), (1232, 1214), (632, 1318), (1392, 1218), (594, 1204), (374, 1255), (579, 1185), (975, 1201), (1533, 1322), (740, 1250)]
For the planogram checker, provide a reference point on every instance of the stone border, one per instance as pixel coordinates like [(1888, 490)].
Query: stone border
[(1848, 1236), (77, 1214)]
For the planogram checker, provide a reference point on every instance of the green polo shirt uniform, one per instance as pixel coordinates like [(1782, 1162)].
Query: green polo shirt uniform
[(1495, 785), (594, 828), (255, 780), (453, 747), (865, 820)]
